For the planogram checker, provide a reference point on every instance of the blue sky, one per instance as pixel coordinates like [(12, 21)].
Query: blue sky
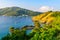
[(36, 5)]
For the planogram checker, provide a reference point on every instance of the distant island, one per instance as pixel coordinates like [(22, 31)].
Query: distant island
[(17, 11)]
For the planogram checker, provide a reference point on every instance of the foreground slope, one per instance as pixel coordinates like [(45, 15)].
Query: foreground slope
[(49, 31)]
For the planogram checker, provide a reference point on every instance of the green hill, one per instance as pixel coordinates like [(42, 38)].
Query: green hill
[(50, 31), (17, 11)]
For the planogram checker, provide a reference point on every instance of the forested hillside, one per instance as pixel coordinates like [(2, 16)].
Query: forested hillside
[(50, 29)]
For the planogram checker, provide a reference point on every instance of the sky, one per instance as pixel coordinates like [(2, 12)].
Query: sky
[(35, 5)]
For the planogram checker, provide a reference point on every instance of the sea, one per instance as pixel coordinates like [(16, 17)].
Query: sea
[(13, 21)]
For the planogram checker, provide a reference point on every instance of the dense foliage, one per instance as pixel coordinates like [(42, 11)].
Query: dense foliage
[(49, 31), (16, 34)]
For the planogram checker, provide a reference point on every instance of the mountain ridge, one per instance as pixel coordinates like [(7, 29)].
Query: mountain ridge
[(17, 11)]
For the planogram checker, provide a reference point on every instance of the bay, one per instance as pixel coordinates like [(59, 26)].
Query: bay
[(12, 21)]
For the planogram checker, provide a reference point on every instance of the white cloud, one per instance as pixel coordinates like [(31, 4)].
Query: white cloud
[(45, 8)]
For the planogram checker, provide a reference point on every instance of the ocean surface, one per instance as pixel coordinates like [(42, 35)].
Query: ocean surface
[(12, 21)]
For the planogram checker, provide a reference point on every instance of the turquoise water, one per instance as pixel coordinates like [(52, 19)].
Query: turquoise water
[(7, 21)]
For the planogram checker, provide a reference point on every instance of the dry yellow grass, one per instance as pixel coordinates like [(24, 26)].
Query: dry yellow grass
[(38, 17), (43, 18), (50, 19), (46, 17)]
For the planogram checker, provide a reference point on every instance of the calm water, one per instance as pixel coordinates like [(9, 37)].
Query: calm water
[(6, 22)]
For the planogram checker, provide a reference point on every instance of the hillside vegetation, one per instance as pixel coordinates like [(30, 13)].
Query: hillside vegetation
[(50, 29), (44, 17)]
